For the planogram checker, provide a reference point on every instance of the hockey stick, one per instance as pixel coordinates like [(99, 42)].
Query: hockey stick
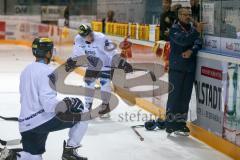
[(137, 133), (73, 64), (153, 77), (15, 119), (10, 142)]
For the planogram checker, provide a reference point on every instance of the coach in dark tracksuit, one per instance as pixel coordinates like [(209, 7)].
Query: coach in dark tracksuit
[(185, 43)]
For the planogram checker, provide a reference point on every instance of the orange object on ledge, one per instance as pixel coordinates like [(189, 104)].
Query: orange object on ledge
[(126, 47), (162, 50)]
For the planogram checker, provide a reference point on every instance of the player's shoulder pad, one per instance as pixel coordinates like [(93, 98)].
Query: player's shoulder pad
[(78, 39), (99, 36), (102, 39)]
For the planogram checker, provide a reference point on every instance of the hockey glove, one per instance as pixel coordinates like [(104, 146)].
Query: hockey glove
[(74, 105), (70, 65), (93, 61), (127, 67)]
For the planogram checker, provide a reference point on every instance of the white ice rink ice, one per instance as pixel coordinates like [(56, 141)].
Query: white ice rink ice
[(106, 139)]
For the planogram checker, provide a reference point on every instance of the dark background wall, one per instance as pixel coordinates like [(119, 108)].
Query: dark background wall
[(1, 6), (140, 11), (153, 11), (32, 7)]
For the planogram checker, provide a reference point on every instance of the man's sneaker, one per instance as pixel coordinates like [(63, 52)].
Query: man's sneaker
[(70, 153)]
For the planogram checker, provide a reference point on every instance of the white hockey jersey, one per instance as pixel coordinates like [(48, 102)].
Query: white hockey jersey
[(96, 49), (38, 100)]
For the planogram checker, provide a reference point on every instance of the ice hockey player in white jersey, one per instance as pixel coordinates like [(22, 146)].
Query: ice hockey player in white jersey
[(97, 47), (39, 106)]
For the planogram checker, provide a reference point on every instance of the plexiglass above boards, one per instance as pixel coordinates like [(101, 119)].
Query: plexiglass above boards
[(222, 31)]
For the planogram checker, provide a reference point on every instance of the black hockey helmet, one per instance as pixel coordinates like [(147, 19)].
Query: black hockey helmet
[(84, 30), (41, 46)]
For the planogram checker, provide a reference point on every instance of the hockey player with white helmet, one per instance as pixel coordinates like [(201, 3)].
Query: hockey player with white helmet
[(39, 106), (97, 47)]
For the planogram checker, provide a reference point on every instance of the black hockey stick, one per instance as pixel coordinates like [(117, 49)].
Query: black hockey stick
[(15, 119), (93, 61), (10, 142), (153, 77), (134, 128)]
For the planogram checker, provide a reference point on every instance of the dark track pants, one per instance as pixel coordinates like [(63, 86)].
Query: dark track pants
[(179, 98), (34, 140)]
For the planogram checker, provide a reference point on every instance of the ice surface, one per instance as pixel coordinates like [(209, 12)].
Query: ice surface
[(105, 139)]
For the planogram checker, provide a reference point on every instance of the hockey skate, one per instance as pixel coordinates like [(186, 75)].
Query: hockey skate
[(183, 131), (70, 153), (105, 116), (105, 111)]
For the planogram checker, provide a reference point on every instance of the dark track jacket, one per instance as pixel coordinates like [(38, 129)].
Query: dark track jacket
[(182, 40)]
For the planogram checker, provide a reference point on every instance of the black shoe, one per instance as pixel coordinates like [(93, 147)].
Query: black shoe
[(70, 153), (105, 109), (183, 131)]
